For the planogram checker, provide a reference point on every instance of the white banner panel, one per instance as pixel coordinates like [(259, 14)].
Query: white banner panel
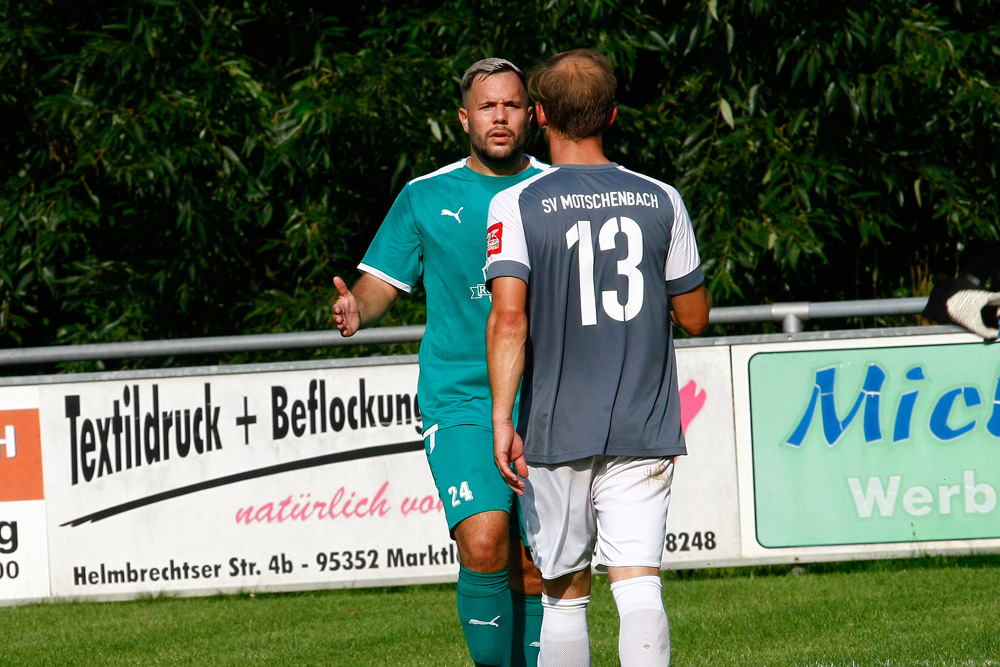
[(703, 528), (24, 571), (249, 481)]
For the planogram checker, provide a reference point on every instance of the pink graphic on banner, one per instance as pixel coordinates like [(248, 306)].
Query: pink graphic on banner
[(692, 400)]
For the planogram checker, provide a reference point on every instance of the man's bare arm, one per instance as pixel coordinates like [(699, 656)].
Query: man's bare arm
[(690, 310), (364, 305), (506, 337)]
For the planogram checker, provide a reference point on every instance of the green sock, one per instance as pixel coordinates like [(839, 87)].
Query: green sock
[(484, 606), (527, 628)]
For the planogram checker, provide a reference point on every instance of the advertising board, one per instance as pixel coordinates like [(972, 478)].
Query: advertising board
[(24, 565), (876, 447), (312, 475), (208, 480)]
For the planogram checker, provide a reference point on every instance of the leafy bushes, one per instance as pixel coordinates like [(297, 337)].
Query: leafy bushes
[(175, 168)]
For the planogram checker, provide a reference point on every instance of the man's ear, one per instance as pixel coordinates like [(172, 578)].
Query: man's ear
[(540, 116), (612, 115), (463, 118)]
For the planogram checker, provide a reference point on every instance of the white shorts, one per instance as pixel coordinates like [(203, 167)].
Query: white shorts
[(610, 511)]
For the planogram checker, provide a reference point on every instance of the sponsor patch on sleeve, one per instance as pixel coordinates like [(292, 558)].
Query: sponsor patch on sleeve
[(494, 236)]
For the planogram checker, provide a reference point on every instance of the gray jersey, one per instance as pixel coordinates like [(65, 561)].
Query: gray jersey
[(601, 248)]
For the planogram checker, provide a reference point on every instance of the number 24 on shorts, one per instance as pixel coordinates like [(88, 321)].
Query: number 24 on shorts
[(460, 493)]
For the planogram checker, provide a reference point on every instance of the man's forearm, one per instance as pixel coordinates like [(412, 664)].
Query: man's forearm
[(690, 310), (506, 337), (374, 296), (505, 359)]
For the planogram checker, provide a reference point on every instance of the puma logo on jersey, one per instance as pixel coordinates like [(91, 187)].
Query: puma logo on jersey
[(473, 621), (445, 211)]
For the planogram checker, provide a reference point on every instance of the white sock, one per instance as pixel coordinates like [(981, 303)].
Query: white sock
[(564, 638), (644, 636)]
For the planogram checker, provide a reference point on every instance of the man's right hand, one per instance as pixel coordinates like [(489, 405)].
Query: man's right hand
[(345, 309), (508, 454)]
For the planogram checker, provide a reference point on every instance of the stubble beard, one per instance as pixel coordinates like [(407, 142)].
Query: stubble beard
[(499, 158)]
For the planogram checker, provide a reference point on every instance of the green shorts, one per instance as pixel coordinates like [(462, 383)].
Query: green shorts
[(468, 482)]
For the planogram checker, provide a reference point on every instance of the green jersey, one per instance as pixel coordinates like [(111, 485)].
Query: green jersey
[(437, 228)]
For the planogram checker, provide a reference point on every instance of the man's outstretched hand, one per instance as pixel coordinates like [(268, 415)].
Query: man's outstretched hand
[(345, 309)]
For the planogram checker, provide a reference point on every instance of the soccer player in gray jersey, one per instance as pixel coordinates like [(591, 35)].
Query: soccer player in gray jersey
[(434, 233), (588, 262)]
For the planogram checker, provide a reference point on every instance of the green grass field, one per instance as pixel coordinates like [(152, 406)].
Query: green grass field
[(929, 611)]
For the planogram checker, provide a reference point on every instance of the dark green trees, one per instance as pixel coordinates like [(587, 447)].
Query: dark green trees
[(174, 168)]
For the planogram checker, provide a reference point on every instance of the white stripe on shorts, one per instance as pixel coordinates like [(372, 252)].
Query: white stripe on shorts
[(429, 433)]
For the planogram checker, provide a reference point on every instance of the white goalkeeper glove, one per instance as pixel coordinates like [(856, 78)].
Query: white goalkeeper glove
[(966, 309)]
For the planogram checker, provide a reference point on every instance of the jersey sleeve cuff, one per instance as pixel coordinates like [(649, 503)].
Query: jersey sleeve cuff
[(385, 277), (506, 268), (685, 283)]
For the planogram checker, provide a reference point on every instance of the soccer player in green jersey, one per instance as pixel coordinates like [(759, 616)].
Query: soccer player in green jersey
[(434, 232)]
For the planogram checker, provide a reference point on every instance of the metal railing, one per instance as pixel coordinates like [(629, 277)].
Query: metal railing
[(791, 316)]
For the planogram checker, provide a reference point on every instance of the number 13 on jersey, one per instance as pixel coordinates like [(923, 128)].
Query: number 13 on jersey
[(579, 235)]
